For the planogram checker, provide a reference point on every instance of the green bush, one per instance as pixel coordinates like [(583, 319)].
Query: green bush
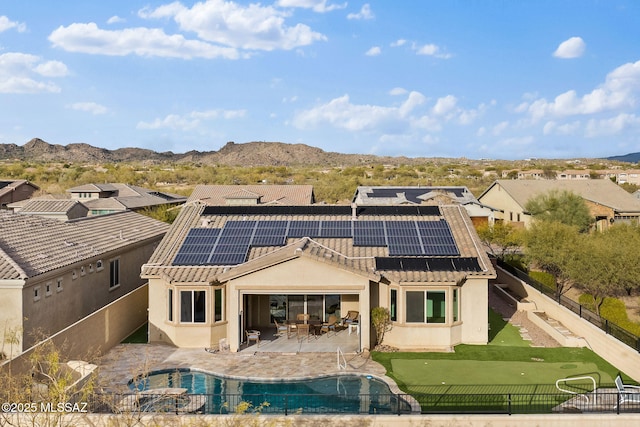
[(614, 311), (544, 278)]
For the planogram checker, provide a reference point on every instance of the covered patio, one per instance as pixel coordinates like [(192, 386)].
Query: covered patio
[(348, 341)]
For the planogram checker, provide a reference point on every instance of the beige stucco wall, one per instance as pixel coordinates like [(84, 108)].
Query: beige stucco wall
[(10, 316), (498, 198), (85, 289)]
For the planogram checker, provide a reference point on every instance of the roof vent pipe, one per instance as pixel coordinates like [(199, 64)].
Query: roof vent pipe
[(354, 209)]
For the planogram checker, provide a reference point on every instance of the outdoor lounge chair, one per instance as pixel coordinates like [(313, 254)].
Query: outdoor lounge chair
[(281, 328), (329, 325), (351, 317), (628, 393), (253, 335)]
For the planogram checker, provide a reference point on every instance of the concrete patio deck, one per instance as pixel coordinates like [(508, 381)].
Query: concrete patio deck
[(313, 343)]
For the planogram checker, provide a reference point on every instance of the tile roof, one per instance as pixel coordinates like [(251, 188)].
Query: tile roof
[(266, 194), (7, 186), (48, 205), (601, 191), (339, 252), (32, 245), (126, 196)]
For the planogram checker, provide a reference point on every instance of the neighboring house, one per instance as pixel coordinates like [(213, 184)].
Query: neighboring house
[(60, 209), (54, 273), (607, 202), (223, 269), (108, 198), (234, 195), (15, 190), (429, 195)]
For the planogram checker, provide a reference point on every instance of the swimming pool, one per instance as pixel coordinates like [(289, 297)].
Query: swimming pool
[(334, 394)]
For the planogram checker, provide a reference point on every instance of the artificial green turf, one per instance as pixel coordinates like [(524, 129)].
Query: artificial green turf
[(138, 337), (474, 372), (503, 333)]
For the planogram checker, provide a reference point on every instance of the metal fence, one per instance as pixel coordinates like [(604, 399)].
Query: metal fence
[(610, 402), (610, 328)]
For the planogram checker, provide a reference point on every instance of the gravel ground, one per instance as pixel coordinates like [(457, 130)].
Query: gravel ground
[(539, 338)]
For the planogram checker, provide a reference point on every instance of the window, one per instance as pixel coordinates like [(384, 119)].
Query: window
[(455, 305), (393, 305), (192, 306), (74, 275), (82, 271), (170, 308), (59, 285), (47, 289), (99, 265), (217, 307), (114, 273), (36, 293), (426, 307), (90, 268)]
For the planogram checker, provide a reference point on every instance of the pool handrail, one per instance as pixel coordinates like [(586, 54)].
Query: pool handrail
[(342, 365), (586, 377)]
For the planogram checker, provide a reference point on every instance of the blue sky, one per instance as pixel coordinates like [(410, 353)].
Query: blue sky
[(491, 79)]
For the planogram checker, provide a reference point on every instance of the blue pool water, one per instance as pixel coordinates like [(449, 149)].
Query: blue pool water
[(335, 394)]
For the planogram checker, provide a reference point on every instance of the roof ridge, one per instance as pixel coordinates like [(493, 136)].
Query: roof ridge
[(3, 254)]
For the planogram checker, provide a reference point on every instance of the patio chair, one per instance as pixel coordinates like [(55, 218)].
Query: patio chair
[(628, 393), (302, 317), (351, 317), (303, 330), (253, 335), (329, 325), (281, 329)]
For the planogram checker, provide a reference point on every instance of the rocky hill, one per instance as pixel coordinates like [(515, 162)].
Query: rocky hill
[(232, 154)]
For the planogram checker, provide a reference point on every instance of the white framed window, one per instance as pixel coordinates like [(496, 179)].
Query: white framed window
[(74, 274), (47, 289), (36, 293), (193, 306), (83, 270), (90, 268), (426, 306), (59, 285), (114, 273), (99, 265)]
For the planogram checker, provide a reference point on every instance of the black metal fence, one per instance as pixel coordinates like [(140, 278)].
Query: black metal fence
[(610, 402), (610, 328)]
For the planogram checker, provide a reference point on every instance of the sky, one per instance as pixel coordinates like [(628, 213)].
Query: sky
[(480, 79)]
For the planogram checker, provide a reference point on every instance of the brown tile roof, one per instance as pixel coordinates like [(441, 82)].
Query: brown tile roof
[(601, 191), (32, 245), (49, 205), (7, 186), (266, 194), (339, 252), (125, 196)]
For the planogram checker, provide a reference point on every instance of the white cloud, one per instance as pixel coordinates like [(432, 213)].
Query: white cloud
[(618, 92), (430, 50), (411, 117), (115, 20), (374, 51), (571, 48), (397, 91), (612, 125), (19, 73), (189, 121), (365, 13), (52, 69), (500, 128), (319, 6), (88, 38), (254, 27), (89, 107), (553, 128), (398, 43), (7, 24)]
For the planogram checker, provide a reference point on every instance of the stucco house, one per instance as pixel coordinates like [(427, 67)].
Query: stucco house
[(108, 198), (60, 209), (233, 195), (607, 201), (15, 190), (223, 269), (425, 195), (54, 273)]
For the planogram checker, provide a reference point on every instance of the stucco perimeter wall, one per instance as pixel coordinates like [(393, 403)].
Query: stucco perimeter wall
[(547, 420), (98, 332), (609, 348)]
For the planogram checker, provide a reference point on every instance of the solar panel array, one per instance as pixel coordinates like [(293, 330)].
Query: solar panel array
[(427, 264), (230, 245)]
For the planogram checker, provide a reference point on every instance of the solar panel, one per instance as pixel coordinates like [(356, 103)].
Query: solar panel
[(337, 229), (270, 233), (227, 259), (369, 233), (190, 259), (440, 264), (304, 229), (466, 264), (427, 264)]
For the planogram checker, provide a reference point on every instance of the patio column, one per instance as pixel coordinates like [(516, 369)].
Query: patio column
[(234, 306)]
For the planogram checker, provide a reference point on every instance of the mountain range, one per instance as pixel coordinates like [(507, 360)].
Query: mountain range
[(232, 154)]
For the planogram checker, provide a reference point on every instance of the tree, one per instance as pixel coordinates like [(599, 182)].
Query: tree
[(561, 206), (381, 320), (551, 246), (501, 239)]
